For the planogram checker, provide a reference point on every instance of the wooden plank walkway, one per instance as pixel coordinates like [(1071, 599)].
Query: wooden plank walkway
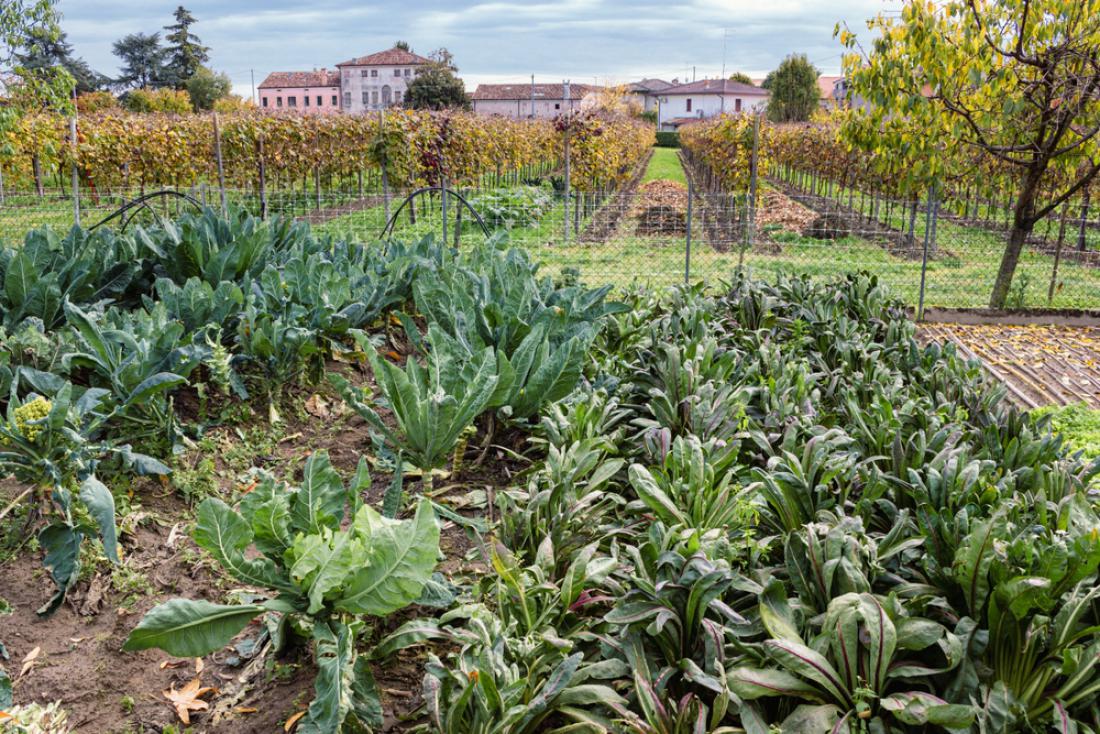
[(1038, 364)]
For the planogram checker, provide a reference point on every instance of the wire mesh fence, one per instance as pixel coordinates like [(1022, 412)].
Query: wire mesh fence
[(660, 233)]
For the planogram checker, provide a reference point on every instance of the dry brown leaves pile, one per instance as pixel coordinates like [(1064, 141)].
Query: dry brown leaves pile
[(777, 208), (663, 193)]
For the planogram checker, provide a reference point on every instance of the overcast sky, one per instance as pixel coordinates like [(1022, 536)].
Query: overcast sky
[(608, 41)]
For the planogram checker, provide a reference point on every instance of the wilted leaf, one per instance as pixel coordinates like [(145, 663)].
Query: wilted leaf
[(189, 698)]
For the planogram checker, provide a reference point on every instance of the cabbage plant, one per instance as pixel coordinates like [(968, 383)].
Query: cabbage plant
[(320, 575)]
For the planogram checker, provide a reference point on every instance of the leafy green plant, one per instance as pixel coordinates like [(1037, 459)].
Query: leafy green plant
[(320, 577), (500, 682), (515, 207), (692, 486), (431, 405), (855, 673), (53, 445), (81, 268)]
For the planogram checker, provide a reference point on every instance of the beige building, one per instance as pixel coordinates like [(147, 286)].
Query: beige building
[(312, 92), (520, 101), (377, 81)]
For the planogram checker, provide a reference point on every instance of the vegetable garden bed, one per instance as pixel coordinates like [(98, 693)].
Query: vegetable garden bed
[(406, 488)]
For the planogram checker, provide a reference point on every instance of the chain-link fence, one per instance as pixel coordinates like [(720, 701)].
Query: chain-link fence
[(663, 232)]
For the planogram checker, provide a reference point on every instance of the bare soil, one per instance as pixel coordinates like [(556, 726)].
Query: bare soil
[(107, 691)]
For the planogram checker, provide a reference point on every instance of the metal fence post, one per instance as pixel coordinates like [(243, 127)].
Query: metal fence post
[(750, 225), (385, 173), (221, 167), (565, 201), (924, 255), (443, 197), (687, 240), (76, 172)]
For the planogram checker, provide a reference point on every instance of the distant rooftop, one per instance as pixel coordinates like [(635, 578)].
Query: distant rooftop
[(315, 78), (526, 91), (716, 86), (650, 85), (391, 57)]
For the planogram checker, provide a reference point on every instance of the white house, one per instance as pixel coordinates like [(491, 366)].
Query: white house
[(544, 101), (377, 81), (646, 93), (707, 98)]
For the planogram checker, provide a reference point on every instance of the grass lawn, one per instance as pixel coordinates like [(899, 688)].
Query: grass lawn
[(1078, 424), (664, 166)]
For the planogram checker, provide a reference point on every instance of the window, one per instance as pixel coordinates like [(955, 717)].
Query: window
[(689, 104), (292, 101), (374, 72), (374, 97), (363, 72), (387, 95), (397, 97), (737, 105), (557, 105), (397, 72), (365, 100), (320, 100), (347, 77), (347, 99), (278, 101), (265, 101), (305, 100), (334, 100), (408, 72)]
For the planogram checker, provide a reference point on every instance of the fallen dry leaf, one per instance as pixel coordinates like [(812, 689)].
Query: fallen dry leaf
[(317, 406), (172, 664), (189, 698), (199, 665), (246, 710), (294, 719), (28, 661)]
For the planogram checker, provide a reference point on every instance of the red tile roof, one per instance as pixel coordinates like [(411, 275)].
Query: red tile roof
[(524, 91), (392, 57), (716, 86), (294, 79)]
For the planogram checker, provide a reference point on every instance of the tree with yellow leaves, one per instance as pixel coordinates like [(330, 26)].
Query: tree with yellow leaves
[(1017, 81)]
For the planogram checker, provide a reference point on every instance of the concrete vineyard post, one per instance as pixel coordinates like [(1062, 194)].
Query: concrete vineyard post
[(221, 167)]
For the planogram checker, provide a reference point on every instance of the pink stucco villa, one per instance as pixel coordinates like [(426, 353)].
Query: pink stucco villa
[(310, 92)]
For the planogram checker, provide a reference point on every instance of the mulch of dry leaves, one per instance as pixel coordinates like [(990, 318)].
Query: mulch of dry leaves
[(778, 209), (662, 193)]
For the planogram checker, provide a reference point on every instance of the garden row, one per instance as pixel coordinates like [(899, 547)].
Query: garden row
[(122, 150), (764, 507), (814, 158)]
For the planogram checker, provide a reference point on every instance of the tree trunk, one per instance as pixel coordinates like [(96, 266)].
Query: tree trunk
[(1023, 222)]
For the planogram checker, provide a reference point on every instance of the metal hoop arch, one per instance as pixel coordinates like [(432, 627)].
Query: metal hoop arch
[(388, 229), (142, 202)]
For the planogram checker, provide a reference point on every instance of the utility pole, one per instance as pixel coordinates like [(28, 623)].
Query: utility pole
[(725, 39), (252, 72), (532, 110), (693, 72)]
